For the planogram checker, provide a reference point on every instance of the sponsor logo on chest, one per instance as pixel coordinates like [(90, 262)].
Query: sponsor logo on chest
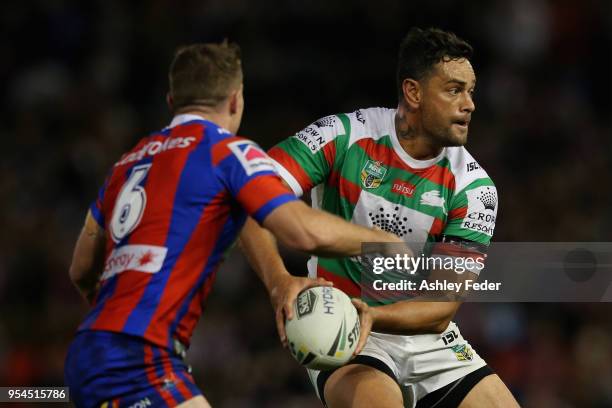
[(372, 174), (403, 188)]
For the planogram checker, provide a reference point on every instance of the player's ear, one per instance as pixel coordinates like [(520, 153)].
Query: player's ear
[(233, 103), (412, 93), (236, 101)]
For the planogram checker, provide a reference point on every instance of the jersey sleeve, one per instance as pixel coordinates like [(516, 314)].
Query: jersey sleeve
[(473, 212), (306, 159), (96, 206), (250, 176), (469, 228)]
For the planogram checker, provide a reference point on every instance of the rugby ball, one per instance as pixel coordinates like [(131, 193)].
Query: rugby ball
[(324, 330)]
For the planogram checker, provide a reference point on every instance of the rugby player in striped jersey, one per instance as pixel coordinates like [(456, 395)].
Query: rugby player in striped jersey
[(153, 240), (403, 170)]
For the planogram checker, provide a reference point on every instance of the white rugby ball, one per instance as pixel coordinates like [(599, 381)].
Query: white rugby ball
[(324, 331)]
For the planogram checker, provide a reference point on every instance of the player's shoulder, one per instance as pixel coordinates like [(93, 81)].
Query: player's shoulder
[(222, 142), (322, 131), (215, 133), (464, 167), (359, 124), (238, 149), (371, 123)]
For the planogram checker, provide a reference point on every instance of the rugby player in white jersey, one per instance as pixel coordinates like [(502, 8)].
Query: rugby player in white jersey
[(406, 171)]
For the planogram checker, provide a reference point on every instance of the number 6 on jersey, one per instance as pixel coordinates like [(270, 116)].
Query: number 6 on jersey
[(130, 204)]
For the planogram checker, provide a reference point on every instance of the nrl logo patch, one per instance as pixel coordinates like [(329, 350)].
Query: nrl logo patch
[(372, 174), (305, 303), (463, 352)]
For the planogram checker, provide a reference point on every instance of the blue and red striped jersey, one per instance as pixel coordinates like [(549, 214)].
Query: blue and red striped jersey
[(170, 208)]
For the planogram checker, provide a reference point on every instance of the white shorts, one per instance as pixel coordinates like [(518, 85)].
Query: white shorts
[(421, 363)]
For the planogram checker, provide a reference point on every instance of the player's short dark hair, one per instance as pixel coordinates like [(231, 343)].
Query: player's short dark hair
[(421, 49), (204, 74)]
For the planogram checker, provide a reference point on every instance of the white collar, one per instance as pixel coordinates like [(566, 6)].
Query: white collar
[(409, 160), (183, 118)]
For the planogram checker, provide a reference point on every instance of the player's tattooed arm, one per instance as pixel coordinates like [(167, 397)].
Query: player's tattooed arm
[(86, 264)]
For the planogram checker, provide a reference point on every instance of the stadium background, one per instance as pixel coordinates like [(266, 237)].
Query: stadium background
[(82, 81)]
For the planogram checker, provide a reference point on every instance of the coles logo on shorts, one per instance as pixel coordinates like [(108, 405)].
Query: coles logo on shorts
[(140, 258), (252, 158)]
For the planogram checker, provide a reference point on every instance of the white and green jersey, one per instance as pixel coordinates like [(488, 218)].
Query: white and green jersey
[(356, 168)]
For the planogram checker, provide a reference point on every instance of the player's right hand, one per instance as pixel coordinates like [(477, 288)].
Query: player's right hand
[(365, 320), (283, 295)]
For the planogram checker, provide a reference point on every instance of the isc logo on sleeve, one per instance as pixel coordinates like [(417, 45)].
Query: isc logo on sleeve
[(252, 158)]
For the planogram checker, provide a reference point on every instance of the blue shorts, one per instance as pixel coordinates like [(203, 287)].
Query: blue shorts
[(105, 369)]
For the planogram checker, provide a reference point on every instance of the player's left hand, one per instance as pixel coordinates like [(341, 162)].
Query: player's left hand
[(365, 321), (284, 293)]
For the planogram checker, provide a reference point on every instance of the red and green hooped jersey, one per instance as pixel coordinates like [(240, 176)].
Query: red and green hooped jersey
[(355, 168)]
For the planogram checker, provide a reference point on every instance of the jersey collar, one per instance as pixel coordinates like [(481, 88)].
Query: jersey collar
[(184, 118), (409, 160)]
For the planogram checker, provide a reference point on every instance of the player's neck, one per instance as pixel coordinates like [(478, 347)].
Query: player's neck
[(218, 118), (412, 137)]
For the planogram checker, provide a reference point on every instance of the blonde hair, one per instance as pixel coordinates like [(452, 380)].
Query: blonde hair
[(204, 74)]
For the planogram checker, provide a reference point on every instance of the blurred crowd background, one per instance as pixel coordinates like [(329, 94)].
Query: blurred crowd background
[(83, 81)]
